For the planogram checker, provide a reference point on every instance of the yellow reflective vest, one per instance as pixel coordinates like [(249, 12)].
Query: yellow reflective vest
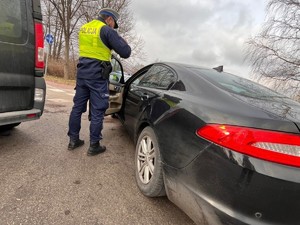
[(90, 43)]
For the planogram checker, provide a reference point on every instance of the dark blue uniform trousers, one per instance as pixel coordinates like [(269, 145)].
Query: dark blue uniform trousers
[(95, 90)]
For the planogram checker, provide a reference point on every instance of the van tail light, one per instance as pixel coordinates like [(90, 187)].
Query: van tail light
[(273, 146), (30, 116), (39, 46)]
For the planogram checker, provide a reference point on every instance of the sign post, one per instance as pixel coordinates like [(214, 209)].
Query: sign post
[(50, 39)]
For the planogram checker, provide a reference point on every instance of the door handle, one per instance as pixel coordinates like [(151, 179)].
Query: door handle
[(144, 97)]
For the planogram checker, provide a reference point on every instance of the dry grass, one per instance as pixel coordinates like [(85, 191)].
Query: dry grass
[(56, 68), (59, 80)]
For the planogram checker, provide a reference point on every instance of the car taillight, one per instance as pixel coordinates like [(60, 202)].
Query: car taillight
[(279, 147), (39, 46)]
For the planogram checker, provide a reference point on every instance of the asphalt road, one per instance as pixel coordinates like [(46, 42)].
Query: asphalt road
[(41, 182)]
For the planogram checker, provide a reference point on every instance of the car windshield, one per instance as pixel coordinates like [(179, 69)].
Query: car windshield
[(237, 85)]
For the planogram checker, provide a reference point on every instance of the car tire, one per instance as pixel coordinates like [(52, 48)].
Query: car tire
[(148, 165)]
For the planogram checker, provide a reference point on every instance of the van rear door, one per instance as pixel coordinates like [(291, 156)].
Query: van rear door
[(17, 55)]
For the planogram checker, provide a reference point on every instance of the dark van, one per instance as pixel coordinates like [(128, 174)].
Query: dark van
[(22, 86)]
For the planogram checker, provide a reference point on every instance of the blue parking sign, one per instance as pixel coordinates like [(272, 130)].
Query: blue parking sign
[(49, 38)]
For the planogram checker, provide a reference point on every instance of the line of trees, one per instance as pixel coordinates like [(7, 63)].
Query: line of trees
[(63, 19)]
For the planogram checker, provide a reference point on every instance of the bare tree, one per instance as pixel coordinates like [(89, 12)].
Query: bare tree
[(275, 51), (52, 25), (67, 11)]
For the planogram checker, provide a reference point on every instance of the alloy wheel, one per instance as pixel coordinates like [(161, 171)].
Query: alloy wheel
[(146, 159)]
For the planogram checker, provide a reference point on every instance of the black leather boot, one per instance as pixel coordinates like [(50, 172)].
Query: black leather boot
[(75, 144), (95, 149)]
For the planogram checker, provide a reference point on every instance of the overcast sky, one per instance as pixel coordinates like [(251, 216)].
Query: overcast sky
[(203, 32)]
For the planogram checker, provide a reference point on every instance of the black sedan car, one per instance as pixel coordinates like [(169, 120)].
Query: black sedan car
[(222, 148)]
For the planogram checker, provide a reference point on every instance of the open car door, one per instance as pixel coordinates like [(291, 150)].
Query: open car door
[(116, 87)]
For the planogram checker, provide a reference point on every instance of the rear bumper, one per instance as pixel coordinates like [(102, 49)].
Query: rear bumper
[(19, 116), (27, 115), (224, 187)]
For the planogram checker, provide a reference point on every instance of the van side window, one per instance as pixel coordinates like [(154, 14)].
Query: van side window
[(13, 21)]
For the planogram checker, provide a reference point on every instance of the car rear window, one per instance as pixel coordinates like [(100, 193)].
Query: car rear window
[(13, 21), (237, 85)]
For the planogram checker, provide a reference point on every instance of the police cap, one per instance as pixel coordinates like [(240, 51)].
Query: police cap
[(110, 12)]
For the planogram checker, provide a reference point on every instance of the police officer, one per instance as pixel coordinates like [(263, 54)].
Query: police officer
[(97, 39)]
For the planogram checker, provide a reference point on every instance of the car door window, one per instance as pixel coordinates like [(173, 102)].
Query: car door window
[(157, 76), (117, 71)]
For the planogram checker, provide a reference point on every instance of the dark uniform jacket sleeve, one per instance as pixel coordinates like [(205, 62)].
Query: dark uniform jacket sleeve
[(114, 41)]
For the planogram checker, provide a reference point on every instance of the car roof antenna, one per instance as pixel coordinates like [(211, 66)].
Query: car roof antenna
[(219, 68)]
